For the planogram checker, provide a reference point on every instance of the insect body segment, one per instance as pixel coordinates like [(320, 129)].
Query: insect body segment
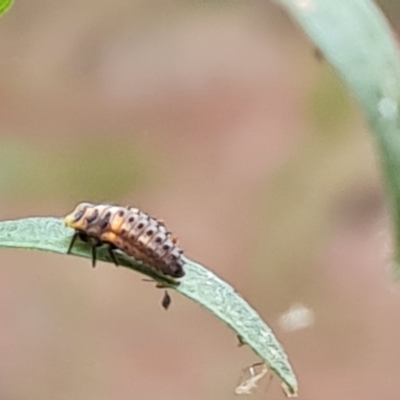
[(129, 230)]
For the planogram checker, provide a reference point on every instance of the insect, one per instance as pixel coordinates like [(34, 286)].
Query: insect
[(130, 230), (254, 374)]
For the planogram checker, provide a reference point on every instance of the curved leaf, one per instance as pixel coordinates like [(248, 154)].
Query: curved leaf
[(198, 284), (355, 38)]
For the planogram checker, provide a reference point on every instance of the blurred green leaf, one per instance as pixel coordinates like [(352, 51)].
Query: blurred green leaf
[(198, 284), (5, 5), (355, 38)]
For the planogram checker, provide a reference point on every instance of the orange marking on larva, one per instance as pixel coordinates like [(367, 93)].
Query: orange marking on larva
[(116, 224), (108, 237)]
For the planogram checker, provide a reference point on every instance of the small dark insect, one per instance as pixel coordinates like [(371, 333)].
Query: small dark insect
[(166, 301), (130, 230), (241, 342)]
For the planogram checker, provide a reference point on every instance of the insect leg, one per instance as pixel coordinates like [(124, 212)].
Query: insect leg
[(76, 234), (94, 253), (112, 255)]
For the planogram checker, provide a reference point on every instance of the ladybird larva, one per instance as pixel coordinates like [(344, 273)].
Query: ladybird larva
[(130, 230)]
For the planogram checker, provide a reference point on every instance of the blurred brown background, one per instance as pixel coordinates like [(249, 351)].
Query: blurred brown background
[(218, 118)]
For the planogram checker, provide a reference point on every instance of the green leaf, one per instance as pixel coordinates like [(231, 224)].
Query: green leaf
[(355, 38), (5, 5), (198, 284)]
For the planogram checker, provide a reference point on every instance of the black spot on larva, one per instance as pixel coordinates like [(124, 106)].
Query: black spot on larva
[(92, 218), (131, 219), (149, 232), (103, 224), (121, 213), (166, 246), (158, 240), (141, 225), (107, 217), (123, 231), (79, 215)]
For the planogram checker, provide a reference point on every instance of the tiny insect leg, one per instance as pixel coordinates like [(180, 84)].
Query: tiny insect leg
[(94, 253), (112, 255), (76, 234)]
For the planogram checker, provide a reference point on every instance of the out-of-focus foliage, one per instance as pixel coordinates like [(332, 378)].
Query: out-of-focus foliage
[(85, 169), (218, 117), (5, 5), (356, 39)]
